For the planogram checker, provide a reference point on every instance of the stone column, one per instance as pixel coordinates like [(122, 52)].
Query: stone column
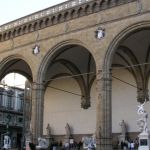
[(142, 90), (104, 110), (37, 111)]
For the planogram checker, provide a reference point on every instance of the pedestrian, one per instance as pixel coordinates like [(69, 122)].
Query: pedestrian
[(132, 145), (136, 143), (129, 145), (125, 145), (122, 145), (79, 145)]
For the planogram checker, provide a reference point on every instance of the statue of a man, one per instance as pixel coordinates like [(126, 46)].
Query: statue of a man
[(145, 117), (123, 127), (48, 128), (68, 131), (7, 142)]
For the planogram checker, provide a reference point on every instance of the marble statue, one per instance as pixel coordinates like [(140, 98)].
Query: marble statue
[(144, 137), (89, 143), (122, 137), (48, 128), (142, 122), (7, 142), (68, 131), (42, 143), (123, 128)]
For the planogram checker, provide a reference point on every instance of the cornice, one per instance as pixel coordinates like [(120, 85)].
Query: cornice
[(54, 15)]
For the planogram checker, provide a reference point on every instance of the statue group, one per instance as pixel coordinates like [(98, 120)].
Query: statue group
[(142, 122), (144, 137)]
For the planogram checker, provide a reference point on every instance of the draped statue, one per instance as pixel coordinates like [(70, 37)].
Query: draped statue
[(68, 130), (48, 128)]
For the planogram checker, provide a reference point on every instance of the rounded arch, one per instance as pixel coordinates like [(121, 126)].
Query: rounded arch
[(118, 39), (122, 39), (52, 51), (67, 58), (11, 60)]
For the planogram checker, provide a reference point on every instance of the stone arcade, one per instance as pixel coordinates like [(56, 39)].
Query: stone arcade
[(90, 83)]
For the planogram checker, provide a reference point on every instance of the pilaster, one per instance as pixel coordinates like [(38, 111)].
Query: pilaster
[(104, 121), (37, 110)]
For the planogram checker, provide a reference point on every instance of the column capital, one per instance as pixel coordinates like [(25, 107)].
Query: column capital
[(38, 86), (103, 75)]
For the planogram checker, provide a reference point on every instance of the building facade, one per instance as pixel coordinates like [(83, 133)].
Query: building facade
[(11, 115), (88, 65)]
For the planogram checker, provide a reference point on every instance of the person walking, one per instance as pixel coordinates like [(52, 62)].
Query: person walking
[(132, 145)]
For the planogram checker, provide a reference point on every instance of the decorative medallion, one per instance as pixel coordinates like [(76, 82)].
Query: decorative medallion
[(36, 50), (100, 33)]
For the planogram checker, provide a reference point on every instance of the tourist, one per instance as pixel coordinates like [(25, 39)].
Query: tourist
[(132, 145), (79, 145), (136, 143), (129, 145)]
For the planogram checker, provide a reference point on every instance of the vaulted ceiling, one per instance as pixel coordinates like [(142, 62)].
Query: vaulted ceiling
[(133, 54)]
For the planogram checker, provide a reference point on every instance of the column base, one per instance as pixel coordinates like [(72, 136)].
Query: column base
[(103, 144)]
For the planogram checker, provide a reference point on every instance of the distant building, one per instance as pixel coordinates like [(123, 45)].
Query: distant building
[(11, 114)]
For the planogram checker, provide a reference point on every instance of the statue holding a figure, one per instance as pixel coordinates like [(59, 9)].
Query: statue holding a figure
[(142, 122), (144, 137)]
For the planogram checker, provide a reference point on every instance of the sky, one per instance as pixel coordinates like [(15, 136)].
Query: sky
[(14, 79), (14, 9)]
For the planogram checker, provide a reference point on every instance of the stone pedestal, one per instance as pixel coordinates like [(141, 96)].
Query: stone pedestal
[(121, 139), (66, 140), (144, 141)]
